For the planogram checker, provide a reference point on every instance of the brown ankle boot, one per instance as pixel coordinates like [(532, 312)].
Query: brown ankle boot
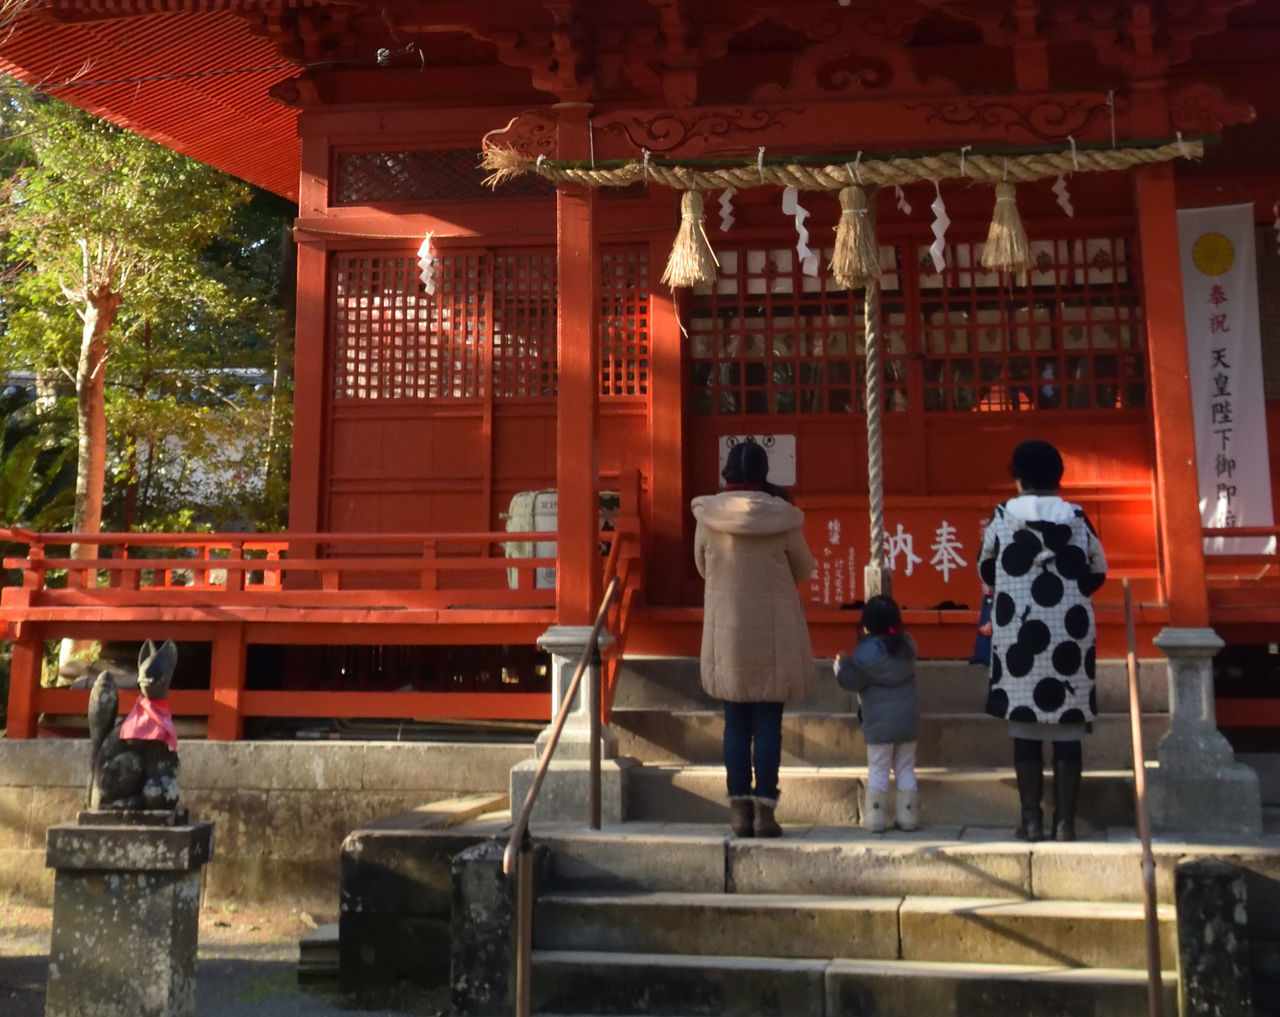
[(766, 825), (740, 817)]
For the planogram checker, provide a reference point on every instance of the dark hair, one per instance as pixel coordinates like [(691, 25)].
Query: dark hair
[(881, 617), (748, 463), (1038, 465)]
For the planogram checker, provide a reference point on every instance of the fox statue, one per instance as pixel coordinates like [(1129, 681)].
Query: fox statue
[(134, 761)]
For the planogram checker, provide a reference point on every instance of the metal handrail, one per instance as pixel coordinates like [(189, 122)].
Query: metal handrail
[(518, 856), (1155, 989)]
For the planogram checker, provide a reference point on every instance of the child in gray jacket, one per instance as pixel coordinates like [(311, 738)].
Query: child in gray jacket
[(882, 670)]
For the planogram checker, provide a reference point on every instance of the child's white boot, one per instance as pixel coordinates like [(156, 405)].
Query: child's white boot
[(875, 811), (907, 810)]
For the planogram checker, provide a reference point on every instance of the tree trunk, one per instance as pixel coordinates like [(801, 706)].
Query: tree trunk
[(91, 416), (91, 443)]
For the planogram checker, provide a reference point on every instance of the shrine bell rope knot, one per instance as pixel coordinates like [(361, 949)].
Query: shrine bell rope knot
[(505, 163)]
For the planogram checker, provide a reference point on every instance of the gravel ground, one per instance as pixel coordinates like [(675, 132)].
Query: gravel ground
[(246, 966)]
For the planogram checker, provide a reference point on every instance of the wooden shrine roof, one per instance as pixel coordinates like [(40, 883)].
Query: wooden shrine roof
[(223, 80), (226, 120)]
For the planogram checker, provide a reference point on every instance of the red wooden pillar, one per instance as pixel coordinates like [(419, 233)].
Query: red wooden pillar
[(226, 681), (1177, 484), (671, 555), (25, 668), (306, 468), (578, 585)]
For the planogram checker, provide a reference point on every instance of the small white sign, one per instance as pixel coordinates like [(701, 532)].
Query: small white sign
[(782, 455)]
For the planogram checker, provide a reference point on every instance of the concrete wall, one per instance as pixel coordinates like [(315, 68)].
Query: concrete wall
[(280, 809)]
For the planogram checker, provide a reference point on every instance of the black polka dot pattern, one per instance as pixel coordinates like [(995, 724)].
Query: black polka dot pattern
[(1047, 589), (1020, 556), (1076, 622), (1050, 694), (997, 702), (1034, 635), (1066, 657), (1042, 571), (1019, 660)]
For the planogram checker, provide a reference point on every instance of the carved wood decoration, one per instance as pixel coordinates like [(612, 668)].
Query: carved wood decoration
[(532, 133), (1201, 108), (670, 132), (1037, 118), (855, 56)]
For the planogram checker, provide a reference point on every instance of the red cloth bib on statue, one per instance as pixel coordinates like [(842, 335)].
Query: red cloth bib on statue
[(151, 721)]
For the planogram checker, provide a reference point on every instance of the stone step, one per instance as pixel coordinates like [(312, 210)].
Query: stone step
[(944, 686), (831, 795), (948, 929), (647, 984), (318, 956), (850, 862), (960, 739)]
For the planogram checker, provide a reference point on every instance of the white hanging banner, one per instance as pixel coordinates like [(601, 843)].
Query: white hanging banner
[(1220, 293)]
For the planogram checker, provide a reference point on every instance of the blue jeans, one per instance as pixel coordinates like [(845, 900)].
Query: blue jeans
[(753, 731)]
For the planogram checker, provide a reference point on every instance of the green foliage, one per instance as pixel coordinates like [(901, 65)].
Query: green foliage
[(37, 463), (195, 258)]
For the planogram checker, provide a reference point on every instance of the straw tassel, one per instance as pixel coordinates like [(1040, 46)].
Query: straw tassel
[(692, 261), (856, 260), (1007, 249)]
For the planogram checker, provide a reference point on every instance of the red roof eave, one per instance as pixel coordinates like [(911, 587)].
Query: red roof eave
[(196, 83)]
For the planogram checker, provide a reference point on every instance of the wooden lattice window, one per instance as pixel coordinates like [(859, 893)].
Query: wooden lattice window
[(392, 341), (770, 338), (524, 323), (1068, 337), (624, 323), (494, 314), (362, 178)]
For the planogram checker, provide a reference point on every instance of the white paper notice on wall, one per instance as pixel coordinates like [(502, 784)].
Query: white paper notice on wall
[(782, 455)]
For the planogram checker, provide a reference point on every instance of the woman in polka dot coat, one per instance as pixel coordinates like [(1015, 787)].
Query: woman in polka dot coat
[(1043, 561)]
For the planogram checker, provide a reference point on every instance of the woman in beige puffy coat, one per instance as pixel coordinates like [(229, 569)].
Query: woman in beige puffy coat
[(750, 549)]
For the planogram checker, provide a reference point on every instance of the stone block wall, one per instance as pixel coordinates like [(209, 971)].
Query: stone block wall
[(280, 809)]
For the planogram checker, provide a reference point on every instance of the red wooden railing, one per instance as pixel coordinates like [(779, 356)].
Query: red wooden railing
[(231, 590), (626, 555), (297, 569)]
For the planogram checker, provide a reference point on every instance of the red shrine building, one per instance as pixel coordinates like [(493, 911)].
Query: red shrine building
[(465, 350)]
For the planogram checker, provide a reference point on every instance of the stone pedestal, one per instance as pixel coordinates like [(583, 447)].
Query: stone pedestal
[(1198, 790), (483, 934), (1214, 975), (565, 643), (565, 793), (566, 790), (126, 907)]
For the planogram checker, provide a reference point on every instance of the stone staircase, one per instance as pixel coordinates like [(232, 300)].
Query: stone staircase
[(659, 920), (662, 717), (666, 914)]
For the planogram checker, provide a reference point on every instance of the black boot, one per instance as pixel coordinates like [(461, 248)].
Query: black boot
[(1030, 791), (1066, 788)]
